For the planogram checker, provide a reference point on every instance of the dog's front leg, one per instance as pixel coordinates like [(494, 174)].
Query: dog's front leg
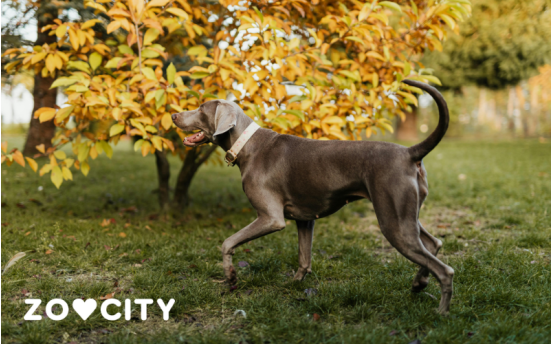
[(264, 224), (305, 238)]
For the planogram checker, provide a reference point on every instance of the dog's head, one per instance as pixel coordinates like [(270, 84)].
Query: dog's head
[(212, 119)]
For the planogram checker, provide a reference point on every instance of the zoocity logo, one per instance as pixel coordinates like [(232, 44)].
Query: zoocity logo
[(85, 308)]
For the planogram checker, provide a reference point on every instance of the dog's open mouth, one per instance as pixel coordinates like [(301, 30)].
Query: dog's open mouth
[(195, 139)]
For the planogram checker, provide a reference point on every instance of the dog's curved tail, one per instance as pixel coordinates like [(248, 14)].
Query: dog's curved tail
[(420, 150)]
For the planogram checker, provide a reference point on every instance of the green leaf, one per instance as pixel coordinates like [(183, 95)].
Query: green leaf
[(149, 54), (197, 50), (432, 79), (63, 81), (392, 5), (113, 62), (199, 75), (171, 73), (297, 113), (298, 98), (210, 95), (149, 73), (355, 39), (259, 14), (95, 60), (80, 65), (116, 129), (138, 145), (125, 49), (83, 151), (106, 148), (193, 93)]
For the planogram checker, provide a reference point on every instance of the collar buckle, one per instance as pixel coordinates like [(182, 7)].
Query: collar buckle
[(230, 159)]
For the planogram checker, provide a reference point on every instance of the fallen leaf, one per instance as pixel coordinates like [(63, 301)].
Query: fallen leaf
[(87, 244), (242, 264), (21, 205), (106, 247), (27, 233), (106, 297), (126, 225), (105, 222), (316, 317), (13, 260), (49, 251), (147, 227), (122, 234)]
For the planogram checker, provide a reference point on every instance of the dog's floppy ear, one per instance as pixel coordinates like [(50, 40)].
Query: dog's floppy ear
[(225, 118)]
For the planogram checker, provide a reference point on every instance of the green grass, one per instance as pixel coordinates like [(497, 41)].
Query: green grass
[(495, 224)]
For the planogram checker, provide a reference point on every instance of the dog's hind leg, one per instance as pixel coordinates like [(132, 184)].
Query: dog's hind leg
[(396, 210), (264, 224), (305, 238), (433, 245)]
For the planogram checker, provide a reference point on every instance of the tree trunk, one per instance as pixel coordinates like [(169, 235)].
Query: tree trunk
[(407, 130), (194, 159), (163, 173), (42, 133)]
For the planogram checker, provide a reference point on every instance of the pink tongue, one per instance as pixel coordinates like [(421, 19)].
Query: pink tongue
[(195, 137)]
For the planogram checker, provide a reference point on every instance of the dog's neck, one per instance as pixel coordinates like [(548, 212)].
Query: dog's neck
[(228, 140)]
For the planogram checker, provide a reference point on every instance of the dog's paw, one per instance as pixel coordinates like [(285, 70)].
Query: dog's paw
[(419, 285), (301, 274), (231, 276)]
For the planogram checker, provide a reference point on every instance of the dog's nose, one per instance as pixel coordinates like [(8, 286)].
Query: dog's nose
[(174, 115)]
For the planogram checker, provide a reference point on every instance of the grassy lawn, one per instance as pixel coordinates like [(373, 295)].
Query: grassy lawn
[(494, 220)]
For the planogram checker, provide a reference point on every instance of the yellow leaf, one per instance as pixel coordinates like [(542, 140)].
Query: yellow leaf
[(117, 112), (157, 3), (64, 113), (178, 12), (89, 24), (69, 162), (32, 163), (56, 176), (67, 175), (60, 155), (114, 25), (45, 169), (50, 63), (146, 147), (47, 115), (38, 57), (73, 38), (84, 168), (150, 35), (95, 60), (18, 157), (61, 31), (170, 73), (41, 148), (157, 142), (364, 12), (116, 129), (5, 146), (166, 121), (122, 235)]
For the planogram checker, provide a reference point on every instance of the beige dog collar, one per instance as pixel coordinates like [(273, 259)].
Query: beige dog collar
[(231, 155)]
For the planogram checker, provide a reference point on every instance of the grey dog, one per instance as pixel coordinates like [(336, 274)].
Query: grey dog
[(287, 177)]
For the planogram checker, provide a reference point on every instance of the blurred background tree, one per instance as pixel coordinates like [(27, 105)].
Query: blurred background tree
[(498, 49)]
